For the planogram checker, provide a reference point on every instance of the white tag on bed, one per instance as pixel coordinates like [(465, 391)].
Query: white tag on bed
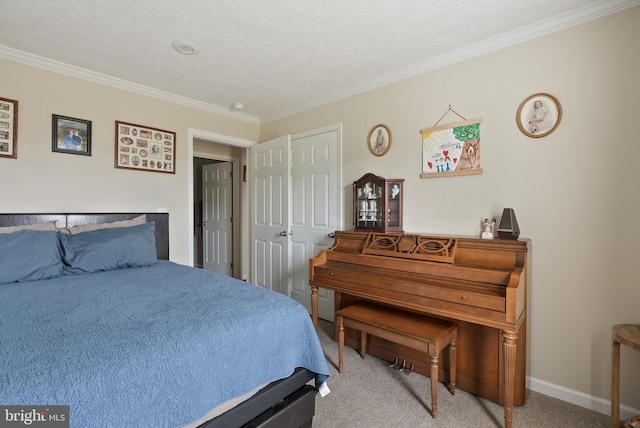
[(324, 389)]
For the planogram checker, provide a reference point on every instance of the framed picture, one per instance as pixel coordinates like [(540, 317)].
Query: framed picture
[(539, 115), (379, 140), (8, 128), (70, 135), (451, 149), (145, 148)]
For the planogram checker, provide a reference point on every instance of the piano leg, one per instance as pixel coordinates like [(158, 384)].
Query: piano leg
[(314, 305), (509, 338), (452, 367)]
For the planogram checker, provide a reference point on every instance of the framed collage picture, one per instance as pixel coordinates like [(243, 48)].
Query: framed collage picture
[(8, 128), (145, 148)]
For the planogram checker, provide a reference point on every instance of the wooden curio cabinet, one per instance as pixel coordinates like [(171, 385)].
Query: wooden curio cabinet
[(377, 204)]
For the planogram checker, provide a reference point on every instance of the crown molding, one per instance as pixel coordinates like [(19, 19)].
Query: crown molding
[(535, 30), (529, 32), (103, 79)]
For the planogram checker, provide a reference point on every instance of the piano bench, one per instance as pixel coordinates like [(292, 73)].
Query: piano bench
[(430, 335)]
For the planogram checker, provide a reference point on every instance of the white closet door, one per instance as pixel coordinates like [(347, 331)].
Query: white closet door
[(295, 195), (315, 208), (269, 216)]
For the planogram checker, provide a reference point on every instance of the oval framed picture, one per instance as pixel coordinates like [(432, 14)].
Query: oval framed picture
[(379, 140), (539, 115)]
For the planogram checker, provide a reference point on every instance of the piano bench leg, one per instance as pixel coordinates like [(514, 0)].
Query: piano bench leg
[(434, 386), (340, 344), (363, 344)]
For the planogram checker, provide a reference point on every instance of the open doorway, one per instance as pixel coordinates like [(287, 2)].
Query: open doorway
[(213, 146), (213, 215), (216, 234)]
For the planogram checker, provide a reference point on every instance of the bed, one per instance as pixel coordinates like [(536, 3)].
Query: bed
[(124, 337)]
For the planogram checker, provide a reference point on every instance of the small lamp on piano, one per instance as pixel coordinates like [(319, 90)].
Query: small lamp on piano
[(508, 228)]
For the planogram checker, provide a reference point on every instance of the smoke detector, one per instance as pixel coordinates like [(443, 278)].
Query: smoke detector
[(186, 48)]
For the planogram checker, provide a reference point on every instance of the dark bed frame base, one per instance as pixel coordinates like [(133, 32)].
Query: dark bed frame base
[(295, 410), (287, 402)]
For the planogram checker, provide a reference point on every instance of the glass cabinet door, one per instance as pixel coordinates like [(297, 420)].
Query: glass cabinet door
[(370, 205), (394, 210)]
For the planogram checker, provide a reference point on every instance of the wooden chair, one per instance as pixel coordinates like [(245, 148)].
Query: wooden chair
[(628, 335)]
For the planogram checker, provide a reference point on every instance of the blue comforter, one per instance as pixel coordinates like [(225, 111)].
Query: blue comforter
[(155, 346)]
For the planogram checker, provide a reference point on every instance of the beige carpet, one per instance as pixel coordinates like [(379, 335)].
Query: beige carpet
[(370, 394)]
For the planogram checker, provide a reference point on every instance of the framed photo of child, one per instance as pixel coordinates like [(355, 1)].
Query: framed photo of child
[(70, 135), (379, 140), (539, 115)]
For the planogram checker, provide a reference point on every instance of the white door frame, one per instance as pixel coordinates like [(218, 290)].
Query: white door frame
[(199, 134)]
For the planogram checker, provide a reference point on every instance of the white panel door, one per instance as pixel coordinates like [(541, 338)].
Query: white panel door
[(269, 190), (295, 195), (217, 218), (315, 208)]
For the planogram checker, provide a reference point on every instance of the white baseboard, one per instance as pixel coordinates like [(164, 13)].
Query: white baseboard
[(599, 405)]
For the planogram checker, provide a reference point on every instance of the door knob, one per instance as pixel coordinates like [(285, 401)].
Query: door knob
[(331, 235), (283, 233)]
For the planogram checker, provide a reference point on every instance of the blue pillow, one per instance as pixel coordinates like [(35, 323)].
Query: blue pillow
[(109, 249), (29, 255)]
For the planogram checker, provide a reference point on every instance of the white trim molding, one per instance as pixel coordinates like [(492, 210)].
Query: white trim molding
[(537, 29), (114, 82), (193, 134), (578, 398)]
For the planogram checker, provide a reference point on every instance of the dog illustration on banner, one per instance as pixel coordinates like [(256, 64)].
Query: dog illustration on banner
[(452, 149)]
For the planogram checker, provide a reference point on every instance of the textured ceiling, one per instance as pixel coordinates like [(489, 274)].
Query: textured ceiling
[(276, 57)]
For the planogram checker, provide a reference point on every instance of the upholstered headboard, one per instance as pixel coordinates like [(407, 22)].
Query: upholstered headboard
[(75, 219)]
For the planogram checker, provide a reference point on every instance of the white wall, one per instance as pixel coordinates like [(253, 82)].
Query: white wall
[(43, 181), (574, 192)]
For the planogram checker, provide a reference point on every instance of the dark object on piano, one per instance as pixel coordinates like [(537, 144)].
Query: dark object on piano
[(508, 228)]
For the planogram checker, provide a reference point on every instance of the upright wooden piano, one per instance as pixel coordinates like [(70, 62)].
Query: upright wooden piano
[(479, 284)]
